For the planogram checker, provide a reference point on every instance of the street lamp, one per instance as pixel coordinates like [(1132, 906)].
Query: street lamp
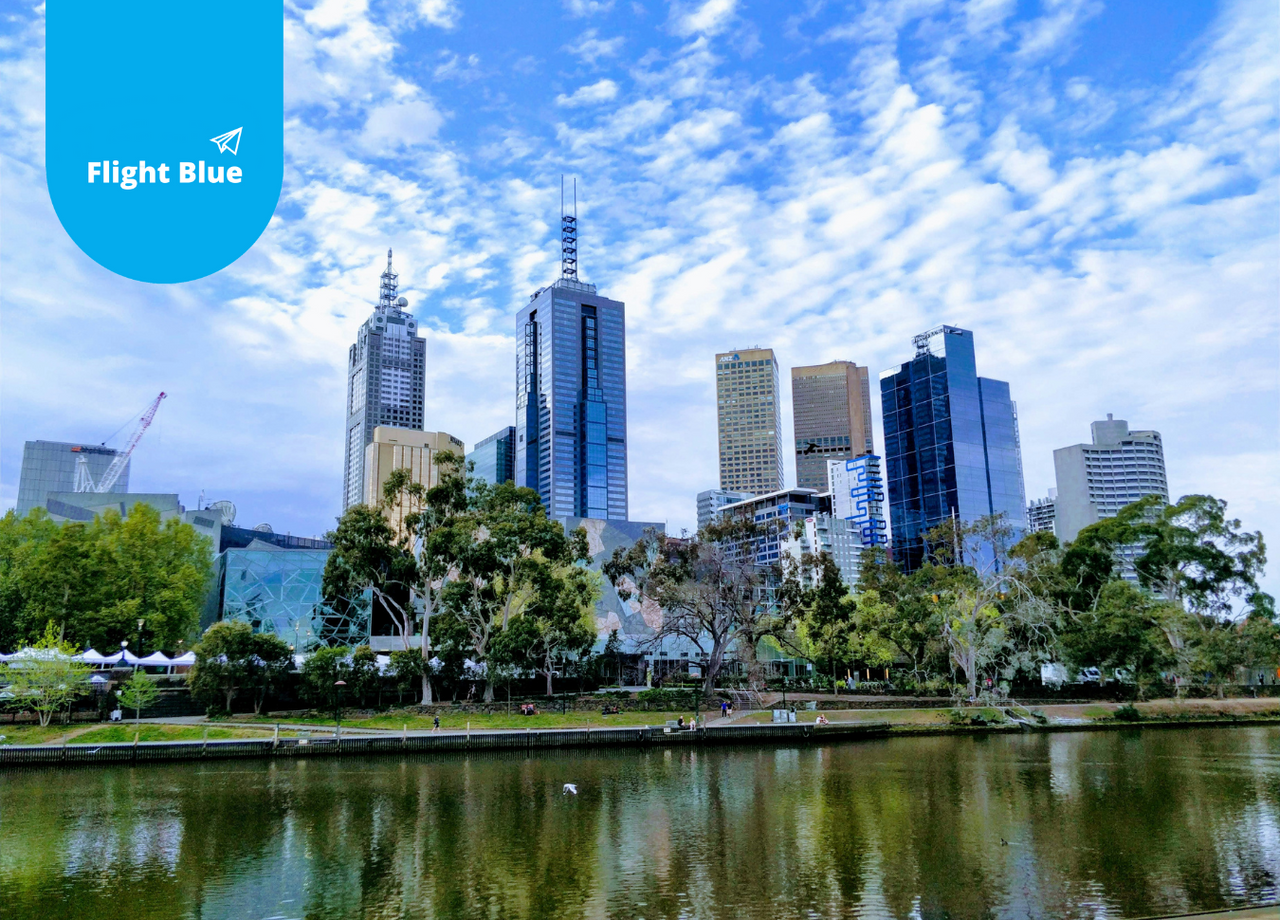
[(337, 710), (124, 646), (139, 652)]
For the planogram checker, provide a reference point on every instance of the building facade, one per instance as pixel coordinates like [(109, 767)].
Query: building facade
[(50, 466), (386, 380), (951, 443), (831, 416), (711, 501), (495, 457), (857, 496), (401, 448), (750, 421), (571, 401), (1096, 480), (1042, 514)]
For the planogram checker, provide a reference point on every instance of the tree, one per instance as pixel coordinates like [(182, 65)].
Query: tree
[(98, 579), (137, 693), (612, 653), (557, 625), (224, 663), (48, 680), (364, 677), (500, 551), (271, 661), (326, 680), (710, 590), (819, 601), (1124, 629), (368, 557)]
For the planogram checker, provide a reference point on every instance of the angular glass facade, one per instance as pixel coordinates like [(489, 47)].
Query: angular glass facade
[(951, 443), (50, 466), (277, 590), (857, 496), (494, 457), (571, 401)]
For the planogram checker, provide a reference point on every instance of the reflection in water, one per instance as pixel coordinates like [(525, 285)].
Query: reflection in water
[(1114, 824)]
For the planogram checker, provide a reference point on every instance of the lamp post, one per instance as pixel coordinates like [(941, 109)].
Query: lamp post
[(337, 710), (139, 651), (124, 647)]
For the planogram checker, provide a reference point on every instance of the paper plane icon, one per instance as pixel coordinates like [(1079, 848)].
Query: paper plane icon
[(229, 141)]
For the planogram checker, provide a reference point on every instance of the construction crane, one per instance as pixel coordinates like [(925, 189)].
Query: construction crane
[(84, 480)]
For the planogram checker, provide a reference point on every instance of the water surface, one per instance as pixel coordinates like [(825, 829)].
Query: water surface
[(1104, 824)]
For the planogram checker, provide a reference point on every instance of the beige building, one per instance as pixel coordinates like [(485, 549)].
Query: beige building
[(403, 448), (747, 390), (831, 409)]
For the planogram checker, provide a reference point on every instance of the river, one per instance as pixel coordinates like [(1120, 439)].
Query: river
[(1099, 824)]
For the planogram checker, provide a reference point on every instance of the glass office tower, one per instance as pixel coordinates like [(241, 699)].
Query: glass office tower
[(494, 457), (50, 466), (951, 443), (386, 380), (571, 401)]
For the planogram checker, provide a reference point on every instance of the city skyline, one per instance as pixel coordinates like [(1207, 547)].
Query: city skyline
[(1104, 223)]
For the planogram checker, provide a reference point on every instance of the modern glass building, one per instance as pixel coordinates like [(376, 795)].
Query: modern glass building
[(831, 415), (50, 466), (750, 421), (711, 501), (386, 380), (951, 443), (273, 582), (495, 457), (571, 401), (857, 496)]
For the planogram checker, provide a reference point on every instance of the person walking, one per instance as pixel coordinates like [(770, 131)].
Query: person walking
[(724, 709), (437, 724)]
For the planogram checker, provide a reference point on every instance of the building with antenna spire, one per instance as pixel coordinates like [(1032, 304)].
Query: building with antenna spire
[(571, 392), (386, 380)]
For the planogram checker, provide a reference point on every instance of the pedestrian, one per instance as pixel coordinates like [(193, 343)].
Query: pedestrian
[(437, 724), (724, 709)]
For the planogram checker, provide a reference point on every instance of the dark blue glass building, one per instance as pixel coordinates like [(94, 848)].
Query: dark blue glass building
[(951, 443)]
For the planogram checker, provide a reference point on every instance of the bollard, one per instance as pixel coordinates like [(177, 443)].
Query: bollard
[(275, 741), (205, 743)]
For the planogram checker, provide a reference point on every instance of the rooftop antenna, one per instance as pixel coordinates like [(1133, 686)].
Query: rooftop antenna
[(387, 296), (569, 234)]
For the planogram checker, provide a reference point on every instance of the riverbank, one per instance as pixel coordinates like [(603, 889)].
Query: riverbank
[(200, 741)]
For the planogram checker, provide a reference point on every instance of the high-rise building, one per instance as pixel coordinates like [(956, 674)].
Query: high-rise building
[(951, 443), (750, 421), (857, 496), (403, 448), (50, 466), (386, 380), (711, 501), (1096, 480), (831, 415), (1042, 513), (571, 395), (495, 457)]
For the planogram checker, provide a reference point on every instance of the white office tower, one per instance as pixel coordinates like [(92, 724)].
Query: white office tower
[(1096, 480)]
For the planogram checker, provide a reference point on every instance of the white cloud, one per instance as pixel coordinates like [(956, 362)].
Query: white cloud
[(590, 48), (706, 17), (594, 94), (583, 8)]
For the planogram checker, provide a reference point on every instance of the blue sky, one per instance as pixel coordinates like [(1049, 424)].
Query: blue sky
[(1090, 186)]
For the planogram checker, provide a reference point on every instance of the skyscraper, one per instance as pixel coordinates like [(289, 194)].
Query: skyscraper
[(1096, 480), (750, 421), (831, 414), (951, 443), (1042, 513), (857, 496), (571, 395), (403, 449), (386, 380), (50, 466), (494, 457)]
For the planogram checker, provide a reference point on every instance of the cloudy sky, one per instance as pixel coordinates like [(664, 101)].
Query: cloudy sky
[(1089, 185)]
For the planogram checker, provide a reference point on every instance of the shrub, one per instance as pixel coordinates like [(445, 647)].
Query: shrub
[(1128, 713)]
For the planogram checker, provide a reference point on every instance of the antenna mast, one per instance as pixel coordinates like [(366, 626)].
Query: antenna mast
[(390, 282), (569, 235)]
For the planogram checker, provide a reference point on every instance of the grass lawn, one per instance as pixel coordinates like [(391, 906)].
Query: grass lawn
[(108, 734), (34, 734), (416, 721)]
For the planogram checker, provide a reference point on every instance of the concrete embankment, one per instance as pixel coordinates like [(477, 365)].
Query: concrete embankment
[(415, 743)]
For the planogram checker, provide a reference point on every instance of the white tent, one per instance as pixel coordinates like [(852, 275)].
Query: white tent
[(156, 660), (111, 660), (130, 657), (91, 656), (188, 659)]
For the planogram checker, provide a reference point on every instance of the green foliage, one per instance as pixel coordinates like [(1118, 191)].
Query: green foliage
[(137, 693), (1128, 713), (1125, 628), (230, 658), (98, 579), (47, 681), (668, 700), (333, 677)]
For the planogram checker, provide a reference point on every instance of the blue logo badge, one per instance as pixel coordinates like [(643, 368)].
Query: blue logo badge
[(135, 95)]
